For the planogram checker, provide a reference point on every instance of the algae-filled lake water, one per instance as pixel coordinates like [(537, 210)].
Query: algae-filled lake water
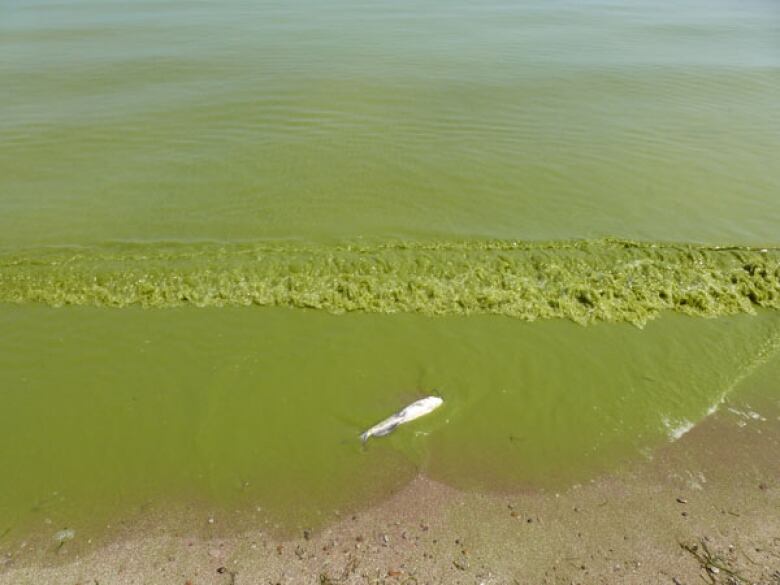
[(234, 235)]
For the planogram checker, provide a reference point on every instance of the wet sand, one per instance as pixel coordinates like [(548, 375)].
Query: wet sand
[(705, 508)]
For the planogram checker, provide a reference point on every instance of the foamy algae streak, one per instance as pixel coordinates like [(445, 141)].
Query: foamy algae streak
[(585, 281)]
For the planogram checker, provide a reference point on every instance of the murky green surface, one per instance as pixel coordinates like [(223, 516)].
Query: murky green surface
[(234, 235), (116, 409), (246, 120)]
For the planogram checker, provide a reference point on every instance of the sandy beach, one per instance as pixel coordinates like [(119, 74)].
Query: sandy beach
[(705, 508)]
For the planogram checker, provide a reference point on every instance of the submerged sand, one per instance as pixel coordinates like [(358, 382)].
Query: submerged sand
[(705, 508)]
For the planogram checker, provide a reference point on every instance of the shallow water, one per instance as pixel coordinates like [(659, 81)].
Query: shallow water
[(112, 410), (421, 196)]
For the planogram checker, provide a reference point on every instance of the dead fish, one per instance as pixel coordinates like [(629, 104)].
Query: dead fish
[(414, 410)]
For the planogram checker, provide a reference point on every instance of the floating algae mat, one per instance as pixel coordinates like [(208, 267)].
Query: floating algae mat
[(587, 281), (107, 413)]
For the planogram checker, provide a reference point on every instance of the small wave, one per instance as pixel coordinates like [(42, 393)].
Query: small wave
[(676, 429), (585, 281)]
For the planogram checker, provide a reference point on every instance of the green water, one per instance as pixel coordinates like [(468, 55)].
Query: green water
[(234, 235), (119, 409)]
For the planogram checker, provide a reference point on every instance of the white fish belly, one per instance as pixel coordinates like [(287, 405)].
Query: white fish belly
[(413, 411)]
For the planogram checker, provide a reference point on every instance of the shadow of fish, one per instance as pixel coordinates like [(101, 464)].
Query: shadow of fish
[(414, 410)]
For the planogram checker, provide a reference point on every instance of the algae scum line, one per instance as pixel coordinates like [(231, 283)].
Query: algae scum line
[(585, 281)]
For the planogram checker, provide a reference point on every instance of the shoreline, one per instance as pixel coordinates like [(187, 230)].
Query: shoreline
[(705, 506)]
